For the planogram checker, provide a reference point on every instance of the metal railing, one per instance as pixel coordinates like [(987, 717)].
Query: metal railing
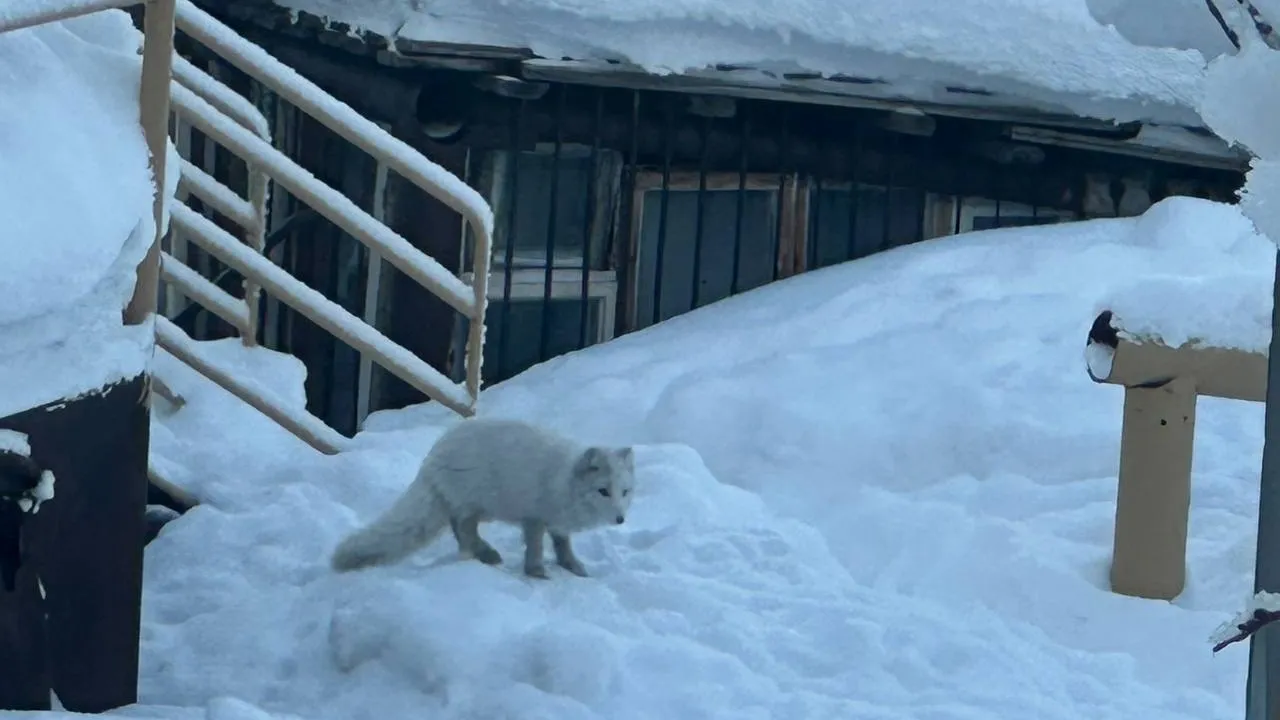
[(169, 82)]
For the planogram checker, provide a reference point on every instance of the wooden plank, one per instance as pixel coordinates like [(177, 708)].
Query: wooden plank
[(25, 682), (85, 546)]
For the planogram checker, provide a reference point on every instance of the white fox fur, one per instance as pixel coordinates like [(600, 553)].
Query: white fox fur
[(500, 470)]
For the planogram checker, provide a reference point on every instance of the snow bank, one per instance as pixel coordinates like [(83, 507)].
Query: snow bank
[(1224, 301), (76, 195), (1029, 49), (880, 490)]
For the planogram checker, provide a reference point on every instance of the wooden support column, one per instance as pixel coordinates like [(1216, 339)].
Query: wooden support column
[(1154, 496)]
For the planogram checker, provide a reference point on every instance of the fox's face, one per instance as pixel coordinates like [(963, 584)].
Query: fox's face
[(604, 478)]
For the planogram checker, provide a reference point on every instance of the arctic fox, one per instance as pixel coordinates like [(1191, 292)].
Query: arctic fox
[(505, 470)]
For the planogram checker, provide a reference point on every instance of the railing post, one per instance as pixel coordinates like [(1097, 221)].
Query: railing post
[(1153, 500), (475, 334), (256, 237), (153, 102)]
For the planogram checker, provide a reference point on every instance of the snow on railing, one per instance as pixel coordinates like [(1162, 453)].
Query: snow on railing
[(334, 318), (302, 424), (398, 157), (172, 83), (228, 101), (22, 14)]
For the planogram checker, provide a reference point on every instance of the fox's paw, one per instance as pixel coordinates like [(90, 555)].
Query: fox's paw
[(575, 567), (536, 571), (487, 555)]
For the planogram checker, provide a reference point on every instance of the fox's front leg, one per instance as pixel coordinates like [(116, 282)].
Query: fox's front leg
[(564, 555), (533, 532)]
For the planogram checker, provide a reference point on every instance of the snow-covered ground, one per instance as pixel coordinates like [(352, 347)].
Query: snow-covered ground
[(881, 490), (74, 184)]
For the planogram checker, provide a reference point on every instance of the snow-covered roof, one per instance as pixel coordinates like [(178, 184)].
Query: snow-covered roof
[(1050, 55), (76, 199)]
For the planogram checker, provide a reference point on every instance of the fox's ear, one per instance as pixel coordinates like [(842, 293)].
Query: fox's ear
[(593, 458), (626, 454)]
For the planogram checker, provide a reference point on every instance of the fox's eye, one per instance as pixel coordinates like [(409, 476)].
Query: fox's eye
[(604, 492), (625, 493)]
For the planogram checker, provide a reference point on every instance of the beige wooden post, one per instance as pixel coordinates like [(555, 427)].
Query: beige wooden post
[(1154, 496), (153, 103), (1157, 437)]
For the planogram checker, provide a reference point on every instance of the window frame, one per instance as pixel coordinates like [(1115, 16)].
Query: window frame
[(529, 284), (793, 219), (494, 168)]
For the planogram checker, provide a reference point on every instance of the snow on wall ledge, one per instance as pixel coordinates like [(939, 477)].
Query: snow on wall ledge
[(1206, 303), (76, 197), (1029, 49)]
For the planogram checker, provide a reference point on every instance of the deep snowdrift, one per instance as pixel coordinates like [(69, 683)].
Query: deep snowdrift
[(76, 198), (881, 490)]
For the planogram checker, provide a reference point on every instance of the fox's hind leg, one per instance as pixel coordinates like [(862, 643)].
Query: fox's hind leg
[(467, 532)]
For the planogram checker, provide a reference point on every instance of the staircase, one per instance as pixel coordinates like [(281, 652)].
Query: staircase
[(170, 84)]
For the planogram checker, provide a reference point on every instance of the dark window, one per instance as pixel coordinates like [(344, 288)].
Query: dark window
[(523, 332), (757, 251), (881, 220)]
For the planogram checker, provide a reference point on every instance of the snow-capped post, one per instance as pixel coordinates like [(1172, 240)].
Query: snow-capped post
[(1161, 384), (75, 419)]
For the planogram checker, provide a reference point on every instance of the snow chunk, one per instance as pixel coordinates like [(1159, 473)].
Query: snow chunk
[(1241, 102), (1227, 311), (43, 492), (1220, 292), (12, 441), (1239, 90), (1260, 197)]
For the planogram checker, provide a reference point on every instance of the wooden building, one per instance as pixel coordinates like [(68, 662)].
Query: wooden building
[(623, 199)]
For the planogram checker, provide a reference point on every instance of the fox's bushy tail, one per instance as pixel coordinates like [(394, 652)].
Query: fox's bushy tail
[(416, 519)]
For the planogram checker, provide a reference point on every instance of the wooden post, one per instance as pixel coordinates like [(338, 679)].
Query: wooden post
[(1154, 496), (153, 103)]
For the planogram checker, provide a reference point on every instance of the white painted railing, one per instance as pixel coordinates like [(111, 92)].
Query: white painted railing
[(169, 82)]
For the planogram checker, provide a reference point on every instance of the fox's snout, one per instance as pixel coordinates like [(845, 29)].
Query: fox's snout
[(621, 519)]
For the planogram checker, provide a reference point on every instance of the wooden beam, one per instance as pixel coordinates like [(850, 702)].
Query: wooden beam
[(1118, 358)]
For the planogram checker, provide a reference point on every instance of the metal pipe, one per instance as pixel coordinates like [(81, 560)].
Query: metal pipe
[(1262, 701)]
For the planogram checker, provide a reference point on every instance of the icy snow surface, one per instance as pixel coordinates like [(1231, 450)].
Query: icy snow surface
[(75, 196), (882, 490), (1051, 53)]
